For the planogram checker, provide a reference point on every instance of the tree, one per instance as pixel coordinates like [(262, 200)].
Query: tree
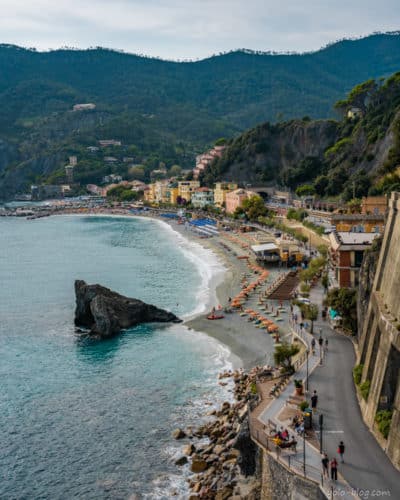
[(305, 190), (320, 184), (310, 312), (175, 171), (254, 207), (358, 97), (344, 301), (283, 356), (325, 281), (137, 173)]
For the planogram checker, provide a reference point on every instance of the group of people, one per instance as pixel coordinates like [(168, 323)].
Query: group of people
[(332, 464), (298, 424), (283, 440)]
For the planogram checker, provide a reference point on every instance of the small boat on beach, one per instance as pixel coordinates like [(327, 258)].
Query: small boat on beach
[(215, 316)]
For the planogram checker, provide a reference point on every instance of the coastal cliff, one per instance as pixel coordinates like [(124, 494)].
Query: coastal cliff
[(106, 313)]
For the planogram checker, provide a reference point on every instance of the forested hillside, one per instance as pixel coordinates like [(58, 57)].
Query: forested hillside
[(353, 156), (164, 111)]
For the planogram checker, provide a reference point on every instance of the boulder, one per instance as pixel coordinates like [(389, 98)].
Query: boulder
[(181, 460), (224, 493), (198, 465), (178, 434), (106, 313), (189, 449)]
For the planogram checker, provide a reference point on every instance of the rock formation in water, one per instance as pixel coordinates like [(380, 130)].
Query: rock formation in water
[(106, 313)]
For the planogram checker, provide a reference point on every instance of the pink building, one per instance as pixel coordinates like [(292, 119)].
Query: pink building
[(205, 159), (235, 199)]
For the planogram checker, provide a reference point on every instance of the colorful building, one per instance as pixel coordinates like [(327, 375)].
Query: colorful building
[(172, 194), (358, 223), (187, 188), (234, 199), (220, 191), (204, 160), (203, 197), (374, 205), (149, 194), (346, 255)]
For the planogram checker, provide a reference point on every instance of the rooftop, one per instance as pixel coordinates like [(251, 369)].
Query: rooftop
[(265, 247), (351, 240)]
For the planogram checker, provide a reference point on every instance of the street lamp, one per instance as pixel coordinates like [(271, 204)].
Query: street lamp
[(321, 427), (307, 353)]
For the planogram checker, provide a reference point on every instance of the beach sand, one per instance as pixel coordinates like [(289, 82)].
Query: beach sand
[(250, 346)]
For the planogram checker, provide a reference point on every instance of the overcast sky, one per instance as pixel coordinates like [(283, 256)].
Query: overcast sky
[(178, 29)]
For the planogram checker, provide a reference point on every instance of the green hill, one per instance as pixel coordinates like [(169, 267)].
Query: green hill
[(352, 156), (165, 111)]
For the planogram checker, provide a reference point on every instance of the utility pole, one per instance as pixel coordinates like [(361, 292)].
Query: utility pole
[(304, 453), (307, 353)]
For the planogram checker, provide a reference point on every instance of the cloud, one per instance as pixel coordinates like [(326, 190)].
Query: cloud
[(180, 29)]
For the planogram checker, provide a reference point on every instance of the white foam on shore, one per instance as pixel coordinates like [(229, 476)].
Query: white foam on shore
[(210, 267)]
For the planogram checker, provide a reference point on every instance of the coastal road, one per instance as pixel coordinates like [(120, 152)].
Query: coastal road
[(366, 466)]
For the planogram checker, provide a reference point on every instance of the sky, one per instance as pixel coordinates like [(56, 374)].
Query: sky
[(192, 29)]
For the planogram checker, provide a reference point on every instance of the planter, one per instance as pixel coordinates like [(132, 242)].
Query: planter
[(299, 391)]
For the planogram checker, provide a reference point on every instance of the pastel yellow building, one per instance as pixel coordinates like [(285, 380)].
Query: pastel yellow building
[(150, 194), (172, 195), (221, 188), (187, 188)]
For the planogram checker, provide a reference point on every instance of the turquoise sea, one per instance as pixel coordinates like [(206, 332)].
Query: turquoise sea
[(88, 419)]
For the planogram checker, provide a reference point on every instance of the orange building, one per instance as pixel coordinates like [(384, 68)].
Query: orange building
[(374, 205)]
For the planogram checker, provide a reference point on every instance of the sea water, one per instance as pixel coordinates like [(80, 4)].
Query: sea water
[(92, 419)]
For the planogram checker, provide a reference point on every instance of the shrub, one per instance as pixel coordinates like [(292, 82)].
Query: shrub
[(384, 418), (253, 388), (298, 383), (303, 405), (364, 389), (357, 373)]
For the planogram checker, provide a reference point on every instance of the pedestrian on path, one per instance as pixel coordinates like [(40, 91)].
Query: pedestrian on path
[(313, 346), (325, 465), (334, 465), (314, 401), (340, 450)]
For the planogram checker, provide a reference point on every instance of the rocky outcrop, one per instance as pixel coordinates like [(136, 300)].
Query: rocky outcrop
[(224, 459), (106, 313)]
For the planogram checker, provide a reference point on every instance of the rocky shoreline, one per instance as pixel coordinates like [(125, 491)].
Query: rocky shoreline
[(221, 453)]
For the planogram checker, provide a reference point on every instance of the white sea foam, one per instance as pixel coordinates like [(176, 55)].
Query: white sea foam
[(210, 267)]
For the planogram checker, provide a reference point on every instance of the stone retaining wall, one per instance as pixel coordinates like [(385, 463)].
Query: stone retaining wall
[(277, 482)]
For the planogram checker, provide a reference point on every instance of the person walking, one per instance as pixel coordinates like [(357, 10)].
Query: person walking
[(334, 465), (313, 346), (325, 465), (340, 450), (314, 401)]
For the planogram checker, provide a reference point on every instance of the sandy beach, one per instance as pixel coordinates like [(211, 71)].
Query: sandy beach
[(249, 345)]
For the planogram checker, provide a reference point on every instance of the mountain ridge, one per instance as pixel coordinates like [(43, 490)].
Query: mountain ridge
[(169, 111)]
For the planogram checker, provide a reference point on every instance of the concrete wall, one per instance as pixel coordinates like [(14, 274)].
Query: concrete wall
[(280, 483), (380, 337)]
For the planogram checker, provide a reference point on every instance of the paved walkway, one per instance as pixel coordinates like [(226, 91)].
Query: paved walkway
[(366, 466), (312, 455)]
